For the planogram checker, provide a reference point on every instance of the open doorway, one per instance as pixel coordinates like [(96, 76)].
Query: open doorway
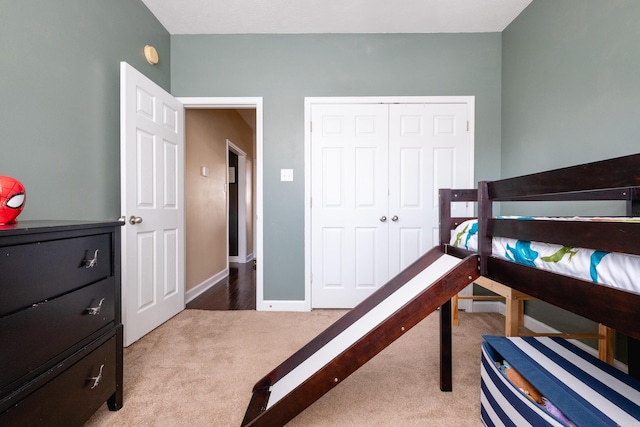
[(239, 218), (211, 133)]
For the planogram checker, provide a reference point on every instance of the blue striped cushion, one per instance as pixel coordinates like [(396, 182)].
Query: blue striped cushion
[(588, 391)]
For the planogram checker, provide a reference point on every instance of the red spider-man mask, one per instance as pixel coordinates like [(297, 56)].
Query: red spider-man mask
[(12, 198)]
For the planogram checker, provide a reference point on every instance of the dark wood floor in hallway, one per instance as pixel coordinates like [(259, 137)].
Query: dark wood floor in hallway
[(235, 292)]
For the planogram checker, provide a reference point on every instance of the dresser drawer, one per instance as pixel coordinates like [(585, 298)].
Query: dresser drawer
[(36, 272), (32, 337), (71, 397)]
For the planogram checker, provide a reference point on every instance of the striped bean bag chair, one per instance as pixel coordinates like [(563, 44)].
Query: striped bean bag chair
[(547, 381)]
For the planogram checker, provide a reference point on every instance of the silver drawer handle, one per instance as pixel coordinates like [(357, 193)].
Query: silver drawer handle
[(96, 380), (90, 263), (92, 311)]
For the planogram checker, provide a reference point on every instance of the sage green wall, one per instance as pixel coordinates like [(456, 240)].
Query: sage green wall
[(284, 69), (571, 85), (60, 110)]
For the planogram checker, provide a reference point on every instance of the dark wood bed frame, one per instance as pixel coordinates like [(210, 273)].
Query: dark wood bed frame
[(614, 179)]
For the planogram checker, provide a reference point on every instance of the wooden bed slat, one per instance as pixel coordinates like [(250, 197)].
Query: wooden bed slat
[(620, 172), (604, 236), (458, 252), (602, 195)]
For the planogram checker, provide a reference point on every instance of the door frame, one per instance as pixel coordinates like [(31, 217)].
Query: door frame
[(249, 103), (309, 102), (242, 204)]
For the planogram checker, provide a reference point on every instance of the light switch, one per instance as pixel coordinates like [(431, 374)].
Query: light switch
[(204, 171), (286, 174)]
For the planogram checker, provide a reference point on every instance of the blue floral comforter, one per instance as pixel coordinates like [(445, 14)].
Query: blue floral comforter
[(613, 269)]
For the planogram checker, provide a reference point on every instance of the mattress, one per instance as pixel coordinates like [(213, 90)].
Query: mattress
[(547, 381), (609, 268)]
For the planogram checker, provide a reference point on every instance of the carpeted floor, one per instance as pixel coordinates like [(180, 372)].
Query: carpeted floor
[(198, 369)]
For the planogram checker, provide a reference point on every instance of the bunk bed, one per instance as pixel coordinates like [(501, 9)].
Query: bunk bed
[(462, 233), (441, 273), (507, 251)]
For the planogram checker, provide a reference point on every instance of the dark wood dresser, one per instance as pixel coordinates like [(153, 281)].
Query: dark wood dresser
[(60, 321)]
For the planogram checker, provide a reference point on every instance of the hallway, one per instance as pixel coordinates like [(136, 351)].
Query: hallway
[(235, 292)]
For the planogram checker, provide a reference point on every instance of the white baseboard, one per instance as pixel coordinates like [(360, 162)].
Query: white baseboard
[(239, 260), (487, 307), (274, 305), (197, 290)]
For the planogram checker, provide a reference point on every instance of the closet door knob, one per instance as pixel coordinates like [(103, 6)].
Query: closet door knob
[(135, 220), (383, 218), (394, 218)]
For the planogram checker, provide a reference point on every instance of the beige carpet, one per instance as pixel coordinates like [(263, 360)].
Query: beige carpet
[(199, 368)]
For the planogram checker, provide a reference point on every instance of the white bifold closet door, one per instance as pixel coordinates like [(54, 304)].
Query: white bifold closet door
[(375, 174)]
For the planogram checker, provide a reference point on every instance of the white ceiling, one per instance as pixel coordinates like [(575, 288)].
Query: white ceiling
[(334, 16)]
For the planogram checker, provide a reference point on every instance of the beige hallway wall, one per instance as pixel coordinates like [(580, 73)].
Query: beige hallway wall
[(206, 134)]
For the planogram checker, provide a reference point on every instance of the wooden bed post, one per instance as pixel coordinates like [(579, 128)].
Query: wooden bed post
[(444, 196), (606, 343), (633, 202), (446, 339), (444, 218), (633, 345), (485, 212), (446, 348)]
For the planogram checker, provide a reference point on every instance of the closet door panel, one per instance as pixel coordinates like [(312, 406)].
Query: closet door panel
[(349, 145), (428, 150)]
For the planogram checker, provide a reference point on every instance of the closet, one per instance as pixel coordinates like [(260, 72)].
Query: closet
[(375, 173)]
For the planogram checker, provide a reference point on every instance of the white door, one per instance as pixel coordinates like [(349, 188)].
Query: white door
[(152, 171), (429, 149), (349, 203), (375, 174)]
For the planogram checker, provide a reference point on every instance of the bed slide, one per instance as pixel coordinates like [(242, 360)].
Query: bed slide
[(359, 335)]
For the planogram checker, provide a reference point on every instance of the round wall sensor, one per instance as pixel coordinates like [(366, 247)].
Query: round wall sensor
[(151, 54)]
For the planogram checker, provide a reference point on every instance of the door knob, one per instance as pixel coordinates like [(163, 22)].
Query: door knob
[(394, 218), (135, 220), (383, 218)]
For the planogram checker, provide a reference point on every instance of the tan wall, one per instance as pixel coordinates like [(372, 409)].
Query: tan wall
[(206, 133)]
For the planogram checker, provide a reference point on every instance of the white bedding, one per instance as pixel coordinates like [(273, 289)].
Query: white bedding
[(614, 269)]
